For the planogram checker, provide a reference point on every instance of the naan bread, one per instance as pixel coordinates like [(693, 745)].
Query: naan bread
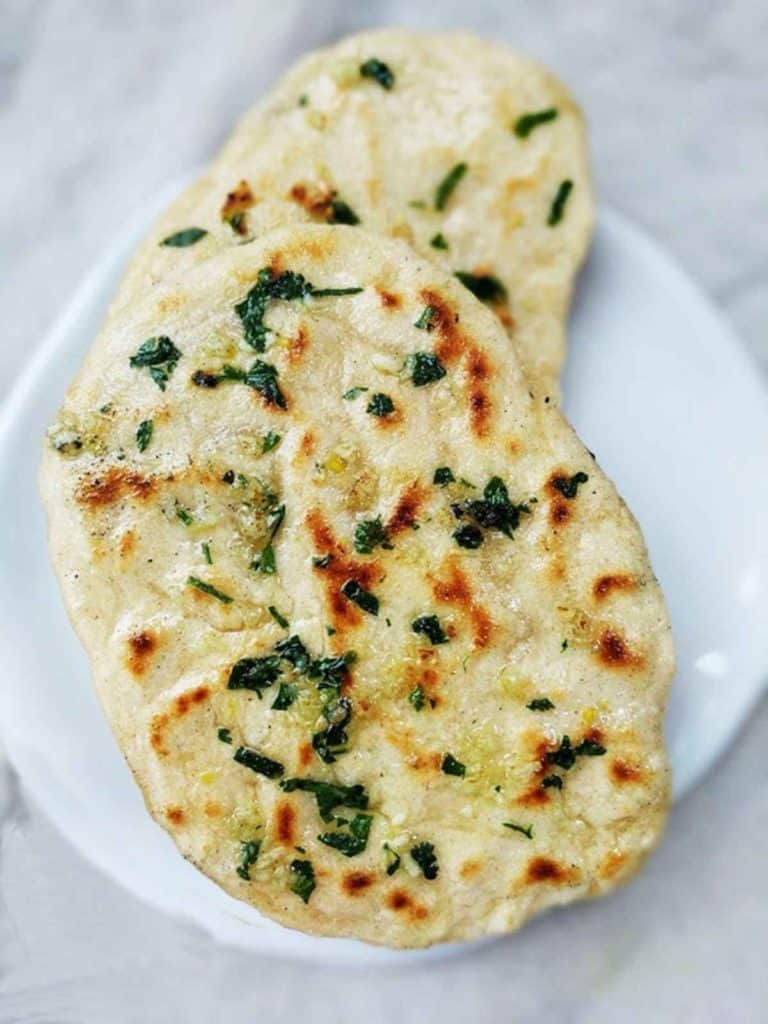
[(378, 638), (330, 144)]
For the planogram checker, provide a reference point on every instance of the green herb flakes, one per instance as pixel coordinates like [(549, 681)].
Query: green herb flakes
[(144, 434), (468, 536), (342, 213), (279, 619), (159, 356), (206, 549), (271, 440), (557, 210), (379, 72), (540, 704), (380, 405), (417, 698), (254, 673), (353, 393), (208, 588), (424, 323), (354, 841), (184, 238), (248, 856), (443, 476), (329, 795), (485, 287), (424, 368), (451, 766), (364, 599), (262, 377), (370, 534), (304, 881), (392, 859), (525, 830), (438, 241), (569, 486), (445, 189), (429, 626), (330, 742), (224, 735), (286, 695), (258, 763), (525, 124), (424, 855)]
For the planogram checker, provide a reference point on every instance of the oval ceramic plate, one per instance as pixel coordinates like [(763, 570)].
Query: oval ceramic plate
[(656, 386)]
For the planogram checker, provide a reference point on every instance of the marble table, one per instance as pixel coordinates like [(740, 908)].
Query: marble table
[(102, 102)]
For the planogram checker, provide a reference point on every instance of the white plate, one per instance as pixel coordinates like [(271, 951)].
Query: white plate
[(656, 385)]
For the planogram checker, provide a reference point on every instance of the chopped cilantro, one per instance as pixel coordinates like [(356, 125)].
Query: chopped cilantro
[(485, 287), (224, 735), (424, 368), (380, 405), (430, 626), (557, 210), (294, 652), (279, 619), (184, 238), (329, 795), (254, 673), (262, 377), (443, 476), (330, 742), (526, 830), (525, 124), (184, 516), (417, 699), (540, 704), (269, 285), (271, 440), (332, 671), (286, 695), (564, 646), (362, 598), (468, 536), (438, 241), (144, 434), (569, 486), (378, 71), (424, 323), (258, 762), (445, 189), (552, 782), (451, 766), (265, 561), (342, 213), (393, 859), (565, 755), (320, 293), (206, 548), (353, 842), (424, 855), (495, 511), (370, 534), (207, 588), (304, 883), (248, 857), (160, 356), (353, 393)]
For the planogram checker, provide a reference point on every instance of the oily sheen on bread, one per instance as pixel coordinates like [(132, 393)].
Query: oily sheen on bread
[(475, 155), (378, 638)]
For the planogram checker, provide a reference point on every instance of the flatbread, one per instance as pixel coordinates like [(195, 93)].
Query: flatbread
[(378, 480), (330, 143)]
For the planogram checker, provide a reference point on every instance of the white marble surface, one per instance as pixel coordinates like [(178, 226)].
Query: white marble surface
[(101, 103)]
